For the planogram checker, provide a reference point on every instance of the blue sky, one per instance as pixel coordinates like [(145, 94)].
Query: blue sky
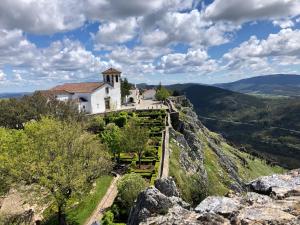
[(44, 43)]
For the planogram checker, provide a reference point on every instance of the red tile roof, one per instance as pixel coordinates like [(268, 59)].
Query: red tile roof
[(87, 87), (111, 71)]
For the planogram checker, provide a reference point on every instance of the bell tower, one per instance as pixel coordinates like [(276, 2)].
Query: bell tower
[(113, 78)]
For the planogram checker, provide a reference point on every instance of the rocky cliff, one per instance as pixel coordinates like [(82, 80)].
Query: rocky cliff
[(202, 162), (272, 200)]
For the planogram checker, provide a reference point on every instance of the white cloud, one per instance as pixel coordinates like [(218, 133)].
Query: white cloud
[(2, 76), (284, 43), (187, 27), (17, 77), (155, 38), (264, 55), (60, 59), (15, 49), (137, 55), (41, 16), (286, 23), (115, 32), (250, 10), (48, 17), (195, 60)]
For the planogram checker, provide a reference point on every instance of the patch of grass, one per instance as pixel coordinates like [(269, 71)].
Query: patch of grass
[(250, 167), (86, 207), (188, 184), (218, 179)]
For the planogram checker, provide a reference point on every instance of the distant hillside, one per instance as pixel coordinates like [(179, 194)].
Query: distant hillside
[(279, 84), (250, 121), (13, 95)]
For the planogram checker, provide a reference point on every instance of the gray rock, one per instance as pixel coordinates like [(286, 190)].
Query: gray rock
[(167, 186), (154, 207), (151, 201), (219, 205), (278, 185)]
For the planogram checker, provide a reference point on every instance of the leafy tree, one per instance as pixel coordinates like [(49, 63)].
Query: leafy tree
[(125, 87), (112, 136), (58, 156), (162, 93), (134, 139), (129, 187), (16, 112)]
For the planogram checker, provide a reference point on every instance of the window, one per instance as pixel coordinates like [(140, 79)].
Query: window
[(107, 78), (107, 90), (117, 79)]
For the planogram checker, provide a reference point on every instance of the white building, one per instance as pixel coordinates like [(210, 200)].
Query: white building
[(92, 97), (133, 97), (149, 94)]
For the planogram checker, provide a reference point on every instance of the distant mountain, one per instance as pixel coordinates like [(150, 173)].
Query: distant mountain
[(145, 86), (13, 95), (269, 127), (278, 84)]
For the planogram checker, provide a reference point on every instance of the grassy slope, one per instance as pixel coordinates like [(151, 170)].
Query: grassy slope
[(80, 213), (249, 167), (182, 179), (86, 207), (218, 178)]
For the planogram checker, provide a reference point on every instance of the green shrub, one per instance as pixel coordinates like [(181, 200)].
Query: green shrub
[(133, 164), (156, 166), (123, 113), (153, 179), (96, 124), (120, 121), (150, 152), (108, 218), (129, 187)]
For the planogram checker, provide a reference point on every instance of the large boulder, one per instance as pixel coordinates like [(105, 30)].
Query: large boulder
[(167, 186), (278, 185), (160, 205), (219, 205)]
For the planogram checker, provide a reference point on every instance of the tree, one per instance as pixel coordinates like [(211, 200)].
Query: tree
[(16, 112), (129, 187), (134, 139), (111, 137), (125, 87), (162, 94), (58, 156)]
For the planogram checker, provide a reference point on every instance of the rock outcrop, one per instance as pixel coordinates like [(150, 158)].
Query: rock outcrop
[(193, 137), (279, 205), (279, 186)]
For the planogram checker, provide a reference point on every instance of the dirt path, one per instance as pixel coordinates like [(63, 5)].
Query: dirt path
[(105, 203)]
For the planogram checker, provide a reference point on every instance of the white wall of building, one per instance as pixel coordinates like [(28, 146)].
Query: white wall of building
[(96, 100), (87, 105), (134, 94), (149, 94)]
